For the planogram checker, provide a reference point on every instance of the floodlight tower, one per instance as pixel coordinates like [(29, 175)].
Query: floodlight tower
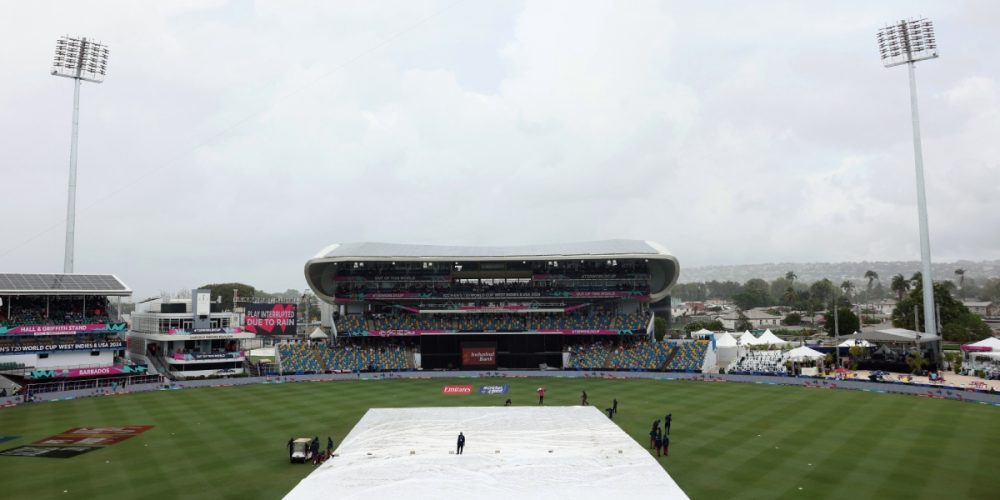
[(82, 60), (908, 42)]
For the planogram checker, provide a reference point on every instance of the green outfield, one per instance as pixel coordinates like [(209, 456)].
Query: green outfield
[(728, 440)]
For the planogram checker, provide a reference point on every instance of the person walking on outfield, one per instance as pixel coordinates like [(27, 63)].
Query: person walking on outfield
[(461, 443), (658, 444), (290, 445), (655, 431), (614, 405), (666, 422), (666, 445), (583, 399), (329, 446), (541, 395)]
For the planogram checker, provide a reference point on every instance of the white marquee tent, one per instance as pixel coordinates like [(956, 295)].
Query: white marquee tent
[(855, 342), (992, 342), (804, 354), (771, 339), (725, 340), (746, 338), (317, 334)]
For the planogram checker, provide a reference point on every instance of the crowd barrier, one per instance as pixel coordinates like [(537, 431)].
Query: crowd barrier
[(923, 390)]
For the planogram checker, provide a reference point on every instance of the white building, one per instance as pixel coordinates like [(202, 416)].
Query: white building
[(981, 309), (755, 317), (188, 337)]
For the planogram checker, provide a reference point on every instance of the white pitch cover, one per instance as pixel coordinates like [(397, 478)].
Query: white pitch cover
[(511, 453)]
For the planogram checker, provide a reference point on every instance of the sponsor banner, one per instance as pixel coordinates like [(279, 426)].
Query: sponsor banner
[(479, 356), (127, 430), (489, 390), (198, 331), (457, 389), (410, 333), (74, 439), (76, 346), (185, 356), (48, 451), (566, 331), (605, 294), (4, 439), (439, 277), (88, 372), (273, 319), (63, 329), (976, 348)]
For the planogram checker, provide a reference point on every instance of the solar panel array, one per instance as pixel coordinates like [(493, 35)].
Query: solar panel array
[(41, 284)]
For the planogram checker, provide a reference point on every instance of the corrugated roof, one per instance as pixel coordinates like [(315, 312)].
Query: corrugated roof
[(62, 284), (383, 250)]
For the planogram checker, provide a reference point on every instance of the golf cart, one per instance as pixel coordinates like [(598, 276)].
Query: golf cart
[(300, 450)]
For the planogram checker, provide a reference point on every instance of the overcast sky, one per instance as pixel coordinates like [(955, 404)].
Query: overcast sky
[(231, 141)]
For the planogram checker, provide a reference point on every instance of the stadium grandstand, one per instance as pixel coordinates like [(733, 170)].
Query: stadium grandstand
[(63, 332), (575, 306)]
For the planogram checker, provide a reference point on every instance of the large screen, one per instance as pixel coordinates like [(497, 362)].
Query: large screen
[(271, 319), (479, 355)]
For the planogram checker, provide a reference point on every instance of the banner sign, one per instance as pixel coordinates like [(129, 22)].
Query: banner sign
[(479, 356), (79, 346), (360, 297), (560, 331), (66, 439), (489, 390), (88, 372), (567, 331), (190, 356), (273, 319), (202, 331), (457, 390), (127, 430), (433, 277), (63, 329), (48, 451), (976, 348)]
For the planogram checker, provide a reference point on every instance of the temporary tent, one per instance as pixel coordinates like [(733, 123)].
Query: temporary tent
[(747, 338), (317, 334), (770, 339), (855, 342), (804, 354), (725, 340), (701, 333), (990, 343)]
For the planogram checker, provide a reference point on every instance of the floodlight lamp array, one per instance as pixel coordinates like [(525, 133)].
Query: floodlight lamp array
[(907, 41), (80, 58)]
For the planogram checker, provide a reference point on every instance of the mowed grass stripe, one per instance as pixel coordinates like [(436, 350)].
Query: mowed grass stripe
[(230, 442)]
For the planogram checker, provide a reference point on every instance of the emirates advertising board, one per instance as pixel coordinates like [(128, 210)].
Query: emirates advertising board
[(271, 319), (479, 355)]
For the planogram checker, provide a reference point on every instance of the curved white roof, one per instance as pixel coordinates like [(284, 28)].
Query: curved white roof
[(583, 249), (663, 266)]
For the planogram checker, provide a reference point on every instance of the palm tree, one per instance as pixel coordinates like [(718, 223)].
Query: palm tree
[(789, 296), (961, 281), (791, 276), (848, 287), (871, 276), (899, 285)]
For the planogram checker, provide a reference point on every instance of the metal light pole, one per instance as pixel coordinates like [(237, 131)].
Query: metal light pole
[(82, 60), (908, 42)]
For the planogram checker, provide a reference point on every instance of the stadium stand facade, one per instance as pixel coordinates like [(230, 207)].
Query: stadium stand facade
[(497, 307), (62, 331), (188, 338)]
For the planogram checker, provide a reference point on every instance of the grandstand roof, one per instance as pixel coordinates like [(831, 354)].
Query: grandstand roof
[(583, 249), (62, 284), (664, 267)]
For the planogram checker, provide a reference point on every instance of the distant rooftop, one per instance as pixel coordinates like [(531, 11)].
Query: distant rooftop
[(62, 284)]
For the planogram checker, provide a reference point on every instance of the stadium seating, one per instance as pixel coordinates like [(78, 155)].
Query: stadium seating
[(597, 320), (298, 358), (588, 357), (688, 356)]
